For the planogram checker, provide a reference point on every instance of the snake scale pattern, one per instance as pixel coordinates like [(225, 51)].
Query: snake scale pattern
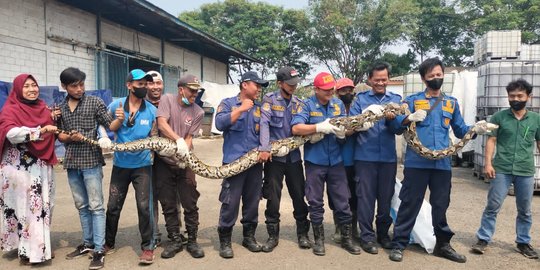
[(250, 158)]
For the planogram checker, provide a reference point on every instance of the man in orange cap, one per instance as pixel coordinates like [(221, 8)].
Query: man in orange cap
[(323, 161)]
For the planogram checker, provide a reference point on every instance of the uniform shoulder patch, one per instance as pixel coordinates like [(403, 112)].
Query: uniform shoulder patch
[(266, 106)]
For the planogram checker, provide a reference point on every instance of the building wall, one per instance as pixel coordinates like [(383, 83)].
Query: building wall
[(35, 37)]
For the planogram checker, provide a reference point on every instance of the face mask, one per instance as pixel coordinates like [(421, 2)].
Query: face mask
[(347, 98), (435, 83), (185, 100), (139, 92), (517, 105)]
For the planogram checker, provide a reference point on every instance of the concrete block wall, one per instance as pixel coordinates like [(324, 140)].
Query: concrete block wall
[(25, 47)]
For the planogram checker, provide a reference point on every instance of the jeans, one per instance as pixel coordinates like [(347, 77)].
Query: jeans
[(86, 188), (498, 189)]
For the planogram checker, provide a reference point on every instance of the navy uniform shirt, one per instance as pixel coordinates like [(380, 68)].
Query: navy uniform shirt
[(377, 144), (327, 151), (433, 131), (242, 136), (276, 116)]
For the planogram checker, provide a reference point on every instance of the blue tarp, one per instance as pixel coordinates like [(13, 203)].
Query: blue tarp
[(5, 87)]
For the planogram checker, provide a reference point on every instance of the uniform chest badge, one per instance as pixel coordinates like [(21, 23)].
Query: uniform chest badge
[(421, 104), (257, 112)]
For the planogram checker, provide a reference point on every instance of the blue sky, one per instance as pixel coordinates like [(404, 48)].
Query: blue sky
[(176, 7)]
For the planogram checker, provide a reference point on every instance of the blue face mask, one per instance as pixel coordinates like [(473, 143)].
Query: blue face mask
[(185, 100)]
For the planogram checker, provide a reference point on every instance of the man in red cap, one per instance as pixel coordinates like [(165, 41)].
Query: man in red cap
[(323, 161)]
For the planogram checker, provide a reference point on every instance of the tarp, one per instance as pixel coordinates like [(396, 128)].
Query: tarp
[(5, 88), (213, 95), (464, 90)]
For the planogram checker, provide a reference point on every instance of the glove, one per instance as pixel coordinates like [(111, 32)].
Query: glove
[(105, 143), (181, 147), (483, 127), (340, 134), (325, 127), (374, 108), (282, 151), (418, 116), (167, 152), (365, 126)]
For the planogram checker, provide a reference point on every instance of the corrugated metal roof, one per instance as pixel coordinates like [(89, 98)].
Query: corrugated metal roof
[(147, 18)]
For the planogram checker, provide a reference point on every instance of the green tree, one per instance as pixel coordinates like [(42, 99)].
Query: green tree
[(267, 32), (348, 35), (400, 63), (486, 15)]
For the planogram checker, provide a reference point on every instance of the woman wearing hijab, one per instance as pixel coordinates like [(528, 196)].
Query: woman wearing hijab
[(26, 172)]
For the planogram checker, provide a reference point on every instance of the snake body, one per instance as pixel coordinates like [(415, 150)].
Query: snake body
[(250, 158)]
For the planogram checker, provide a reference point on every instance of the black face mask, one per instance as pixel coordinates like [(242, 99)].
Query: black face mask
[(517, 105), (347, 98), (435, 83), (139, 92)]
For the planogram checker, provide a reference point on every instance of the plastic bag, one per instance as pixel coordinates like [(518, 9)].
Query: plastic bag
[(422, 232)]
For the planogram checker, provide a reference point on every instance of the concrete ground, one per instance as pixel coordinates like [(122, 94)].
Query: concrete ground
[(468, 201)]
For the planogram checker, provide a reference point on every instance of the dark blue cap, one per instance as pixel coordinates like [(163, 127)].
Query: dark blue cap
[(254, 77)]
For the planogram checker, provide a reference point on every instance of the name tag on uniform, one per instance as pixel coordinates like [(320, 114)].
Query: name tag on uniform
[(315, 114), (421, 104), (278, 108)]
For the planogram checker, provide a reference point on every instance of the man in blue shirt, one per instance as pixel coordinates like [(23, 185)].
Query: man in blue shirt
[(278, 108), (137, 121), (324, 162), (239, 118), (434, 113), (375, 160)]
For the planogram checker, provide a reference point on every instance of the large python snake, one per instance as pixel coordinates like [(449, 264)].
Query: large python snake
[(250, 158)]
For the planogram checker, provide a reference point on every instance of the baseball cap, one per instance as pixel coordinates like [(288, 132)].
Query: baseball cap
[(155, 75), (252, 76), (344, 82), (190, 81), (324, 81), (288, 75), (138, 74)]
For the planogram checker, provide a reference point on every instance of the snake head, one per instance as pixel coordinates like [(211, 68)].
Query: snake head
[(491, 127)]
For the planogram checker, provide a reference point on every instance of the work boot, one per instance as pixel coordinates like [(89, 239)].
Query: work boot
[(249, 241), (302, 229), (273, 237), (346, 240), (384, 241), (396, 255), (337, 234), (318, 234), (444, 250), (192, 246), (225, 249), (369, 247), (355, 230), (174, 246)]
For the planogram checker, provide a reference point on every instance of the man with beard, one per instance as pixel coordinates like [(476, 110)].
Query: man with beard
[(155, 88), (278, 109), (434, 113), (136, 120), (375, 160), (84, 162)]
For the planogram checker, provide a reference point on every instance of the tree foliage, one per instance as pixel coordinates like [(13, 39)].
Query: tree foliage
[(267, 32), (400, 64)]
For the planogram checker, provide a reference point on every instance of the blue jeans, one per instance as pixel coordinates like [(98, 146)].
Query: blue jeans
[(86, 188), (498, 189)]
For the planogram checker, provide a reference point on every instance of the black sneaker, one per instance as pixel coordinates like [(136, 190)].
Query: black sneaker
[(81, 250), (98, 260), (527, 251), (480, 247)]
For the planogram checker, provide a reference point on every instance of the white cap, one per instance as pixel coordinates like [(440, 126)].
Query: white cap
[(155, 75)]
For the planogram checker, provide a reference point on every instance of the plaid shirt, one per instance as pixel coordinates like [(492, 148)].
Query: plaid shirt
[(89, 113)]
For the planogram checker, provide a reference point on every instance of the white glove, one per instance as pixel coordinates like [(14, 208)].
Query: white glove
[(374, 108), (282, 151), (340, 134), (182, 148), (483, 127), (325, 127), (167, 152), (418, 116), (365, 126), (105, 143)]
